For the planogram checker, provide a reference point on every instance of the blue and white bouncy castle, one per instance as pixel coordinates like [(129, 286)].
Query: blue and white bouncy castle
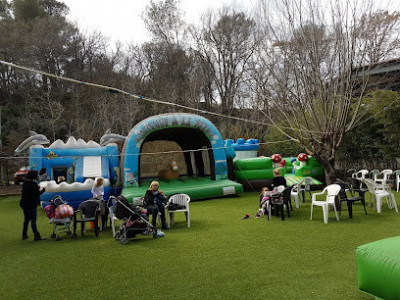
[(73, 167), (244, 149), (199, 152)]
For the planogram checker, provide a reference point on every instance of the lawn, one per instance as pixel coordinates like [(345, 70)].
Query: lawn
[(220, 257)]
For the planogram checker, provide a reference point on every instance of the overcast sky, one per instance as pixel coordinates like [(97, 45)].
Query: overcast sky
[(121, 19)]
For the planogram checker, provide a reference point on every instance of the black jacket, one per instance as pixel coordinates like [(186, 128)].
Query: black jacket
[(279, 180), (150, 199), (30, 195)]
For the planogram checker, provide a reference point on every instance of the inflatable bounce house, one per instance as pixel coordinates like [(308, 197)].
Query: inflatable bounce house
[(72, 168), (184, 152), (200, 156), (379, 268), (256, 172), (243, 149)]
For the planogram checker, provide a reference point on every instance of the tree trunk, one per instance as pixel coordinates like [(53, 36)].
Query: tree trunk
[(329, 170)]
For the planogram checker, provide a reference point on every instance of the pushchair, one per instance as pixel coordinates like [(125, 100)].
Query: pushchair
[(133, 220), (60, 216)]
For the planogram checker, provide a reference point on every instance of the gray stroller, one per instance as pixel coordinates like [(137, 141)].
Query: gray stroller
[(133, 220)]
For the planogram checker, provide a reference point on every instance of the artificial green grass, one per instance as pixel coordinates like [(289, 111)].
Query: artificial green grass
[(220, 257)]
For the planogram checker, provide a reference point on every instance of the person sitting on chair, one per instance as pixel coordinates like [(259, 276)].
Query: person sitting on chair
[(154, 202), (278, 179)]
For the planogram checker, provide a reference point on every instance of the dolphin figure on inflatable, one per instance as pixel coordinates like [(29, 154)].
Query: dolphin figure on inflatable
[(34, 139), (109, 137)]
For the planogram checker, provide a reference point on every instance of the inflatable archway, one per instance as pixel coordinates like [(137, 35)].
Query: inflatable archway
[(191, 132)]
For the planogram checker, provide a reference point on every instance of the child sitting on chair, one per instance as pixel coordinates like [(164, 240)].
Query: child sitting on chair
[(264, 198), (266, 193)]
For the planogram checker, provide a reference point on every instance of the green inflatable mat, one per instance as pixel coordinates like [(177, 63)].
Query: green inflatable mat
[(379, 268), (196, 187)]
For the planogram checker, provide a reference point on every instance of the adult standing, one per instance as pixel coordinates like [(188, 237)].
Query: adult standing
[(29, 202)]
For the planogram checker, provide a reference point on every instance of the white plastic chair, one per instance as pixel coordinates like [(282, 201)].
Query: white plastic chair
[(306, 187), (181, 199), (331, 191), (396, 178), (373, 173), (382, 177), (380, 191), (295, 193), (360, 175)]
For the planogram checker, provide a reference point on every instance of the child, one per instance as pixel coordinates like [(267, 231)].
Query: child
[(266, 193), (264, 197), (98, 189)]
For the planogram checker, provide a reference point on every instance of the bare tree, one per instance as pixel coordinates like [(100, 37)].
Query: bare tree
[(310, 52), (378, 32), (163, 19), (50, 112), (225, 43)]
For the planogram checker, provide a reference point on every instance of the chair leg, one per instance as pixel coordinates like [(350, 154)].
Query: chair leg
[(378, 204), (74, 228), (282, 212), (168, 218), (336, 214), (310, 194), (188, 218), (269, 210), (389, 202), (350, 209), (363, 203), (112, 224), (311, 211), (82, 227), (96, 229), (394, 202), (296, 200), (325, 213)]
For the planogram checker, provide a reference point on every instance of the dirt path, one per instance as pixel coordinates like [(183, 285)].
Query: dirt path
[(10, 190)]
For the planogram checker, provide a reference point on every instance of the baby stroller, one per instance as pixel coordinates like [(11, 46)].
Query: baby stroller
[(60, 216), (135, 220)]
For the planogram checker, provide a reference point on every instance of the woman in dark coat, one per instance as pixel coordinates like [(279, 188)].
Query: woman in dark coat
[(155, 201), (29, 201)]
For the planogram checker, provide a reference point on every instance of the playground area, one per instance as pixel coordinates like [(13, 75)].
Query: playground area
[(220, 256), (186, 154), (247, 151)]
